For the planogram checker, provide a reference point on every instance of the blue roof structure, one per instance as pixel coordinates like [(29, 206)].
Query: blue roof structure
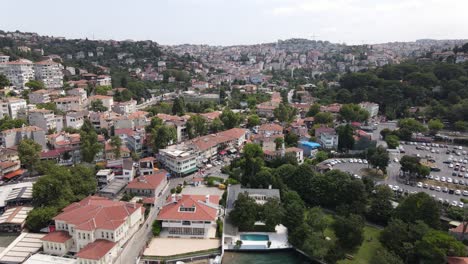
[(310, 144)]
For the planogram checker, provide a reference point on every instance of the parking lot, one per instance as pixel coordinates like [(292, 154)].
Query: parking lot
[(447, 185)]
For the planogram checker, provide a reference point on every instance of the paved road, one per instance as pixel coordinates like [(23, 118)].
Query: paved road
[(136, 245)]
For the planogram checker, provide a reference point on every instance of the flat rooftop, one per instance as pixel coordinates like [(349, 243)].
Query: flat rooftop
[(173, 246), (48, 259), (21, 248)]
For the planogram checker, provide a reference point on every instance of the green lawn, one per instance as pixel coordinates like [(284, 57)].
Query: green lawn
[(369, 247)]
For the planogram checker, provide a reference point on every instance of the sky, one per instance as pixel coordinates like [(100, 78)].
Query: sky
[(234, 22)]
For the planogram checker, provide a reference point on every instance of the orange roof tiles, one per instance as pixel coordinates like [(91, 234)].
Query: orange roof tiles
[(96, 250), (151, 181), (97, 212), (202, 210), (57, 237)]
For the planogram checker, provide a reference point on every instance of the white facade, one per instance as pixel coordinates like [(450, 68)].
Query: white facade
[(372, 108), (50, 73), (42, 118), (329, 140), (70, 103), (18, 72), (4, 58), (179, 159)]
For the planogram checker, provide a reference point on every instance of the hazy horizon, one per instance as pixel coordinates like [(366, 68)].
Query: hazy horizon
[(242, 22)]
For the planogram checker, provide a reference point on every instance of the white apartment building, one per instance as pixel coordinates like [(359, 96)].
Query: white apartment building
[(18, 72), (42, 118), (190, 216), (107, 101), (12, 137), (372, 108), (125, 108), (179, 159), (104, 80), (69, 103), (74, 119), (80, 92), (4, 58), (16, 107), (50, 73), (95, 229), (39, 97), (328, 140)]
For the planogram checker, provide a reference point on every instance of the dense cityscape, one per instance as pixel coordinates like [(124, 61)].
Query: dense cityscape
[(294, 151)]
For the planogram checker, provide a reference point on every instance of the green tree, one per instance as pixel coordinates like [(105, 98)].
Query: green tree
[(353, 112), (116, 143), (291, 139), (412, 125), (253, 120), (349, 231), (435, 125), (272, 213), (162, 136), (323, 118), (279, 141), (97, 106), (252, 162), (345, 137), (29, 153), (313, 110), (461, 126), (378, 158), (381, 209), (230, 119), (35, 85), (4, 81), (90, 145), (383, 256), (102, 90), (392, 141), (196, 126), (436, 245), (178, 106), (244, 213), (419, 206), (285, 113), (216, 125), (40, 217)]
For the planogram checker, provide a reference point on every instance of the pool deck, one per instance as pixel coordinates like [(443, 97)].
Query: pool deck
[(175, 246), (278, 239)]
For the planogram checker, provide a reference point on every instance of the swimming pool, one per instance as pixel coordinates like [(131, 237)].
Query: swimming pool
[(255, 237)]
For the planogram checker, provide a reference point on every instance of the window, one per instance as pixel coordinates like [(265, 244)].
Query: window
[(186, 209)]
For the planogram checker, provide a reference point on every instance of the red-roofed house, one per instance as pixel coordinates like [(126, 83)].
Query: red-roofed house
[(190, 216), (148, 185), (95, 228), (270, 129)]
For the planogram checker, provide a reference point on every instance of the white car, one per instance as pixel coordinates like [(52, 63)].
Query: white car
[(454, 203), (360, 160), (437, 178), (395, 160), (461, 204), (420, 185), (443, 179), (438, 189), (365, 161), (395, 188), (450, 165), (458, 192), (465, 193), (449, 180)]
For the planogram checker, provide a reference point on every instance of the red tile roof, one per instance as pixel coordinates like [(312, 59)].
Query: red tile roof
[(145, 182), (97, 212), (57, 237), (202, 210), (457, 260), (96, 250), (271, 127)]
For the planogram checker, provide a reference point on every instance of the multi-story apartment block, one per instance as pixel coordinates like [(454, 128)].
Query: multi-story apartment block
[(69, 103), (107, 101), (18, 72), (179, 122), (80, 92), (16, 107), (42, 118), (12, 137), (125, 108), (372, 108), (104, 80), (50, 73), (179, 159), (95, 229), (74, 119), (4, 58), (190, 216), (39, 97)]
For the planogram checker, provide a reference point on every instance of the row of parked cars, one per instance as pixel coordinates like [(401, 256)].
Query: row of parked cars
[(397, 189), (338, 161)]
